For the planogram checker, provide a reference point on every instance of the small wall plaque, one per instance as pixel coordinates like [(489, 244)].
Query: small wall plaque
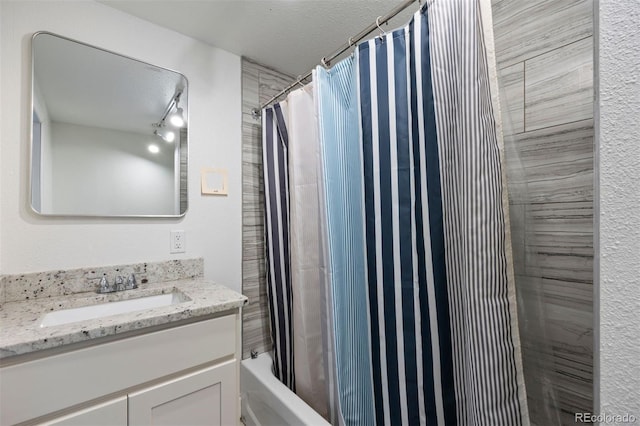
[(214, 181)]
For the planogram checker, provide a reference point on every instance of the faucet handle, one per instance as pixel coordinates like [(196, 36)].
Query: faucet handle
[(131, 282), (104, 285)]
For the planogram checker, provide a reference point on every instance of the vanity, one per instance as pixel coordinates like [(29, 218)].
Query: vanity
[(174, 363)]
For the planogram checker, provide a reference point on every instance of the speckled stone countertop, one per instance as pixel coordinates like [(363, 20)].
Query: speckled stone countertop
[(21, 333)]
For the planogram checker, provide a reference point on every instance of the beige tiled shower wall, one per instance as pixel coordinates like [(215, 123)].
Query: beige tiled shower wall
[(259, 84), (544, 51)]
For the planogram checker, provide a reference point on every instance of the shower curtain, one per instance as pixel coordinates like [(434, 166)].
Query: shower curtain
[(306, 261), (341, 171), (276, 196), (439, 293), (298, 299), (416, 292)]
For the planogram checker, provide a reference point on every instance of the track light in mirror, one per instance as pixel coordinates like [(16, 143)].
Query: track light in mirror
[(154, 149), (177, 118), (166, 135)]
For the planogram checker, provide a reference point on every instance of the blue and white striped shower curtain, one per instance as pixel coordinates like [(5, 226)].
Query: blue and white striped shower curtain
[(422, 300)]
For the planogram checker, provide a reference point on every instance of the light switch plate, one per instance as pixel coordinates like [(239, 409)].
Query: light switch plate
[(214, 181)]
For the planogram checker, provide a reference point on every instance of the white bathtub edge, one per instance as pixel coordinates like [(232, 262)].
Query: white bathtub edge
[(258, 381)]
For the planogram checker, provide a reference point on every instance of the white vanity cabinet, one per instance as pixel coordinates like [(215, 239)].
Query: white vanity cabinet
[(187, 374)]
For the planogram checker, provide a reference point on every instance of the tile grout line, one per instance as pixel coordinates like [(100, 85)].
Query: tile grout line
[(556, 125), (507, 65), (524, 96)]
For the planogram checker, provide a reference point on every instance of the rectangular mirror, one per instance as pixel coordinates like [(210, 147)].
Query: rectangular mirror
[(109, 133)]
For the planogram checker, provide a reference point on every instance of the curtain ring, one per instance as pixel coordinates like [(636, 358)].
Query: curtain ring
[(351, 42), (299, 81), (323, 61), (382, 32)]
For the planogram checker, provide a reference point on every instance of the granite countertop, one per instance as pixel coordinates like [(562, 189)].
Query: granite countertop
[(21, 333)]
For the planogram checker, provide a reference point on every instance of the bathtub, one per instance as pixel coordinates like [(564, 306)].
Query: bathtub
[(267, 402)]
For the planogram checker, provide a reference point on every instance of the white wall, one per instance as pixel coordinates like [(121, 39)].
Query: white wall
[(618, 139), (99, 170), (2, 61), (212, 224)]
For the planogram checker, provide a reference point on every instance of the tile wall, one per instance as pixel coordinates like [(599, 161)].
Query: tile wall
[(259, 84), (544, 50)]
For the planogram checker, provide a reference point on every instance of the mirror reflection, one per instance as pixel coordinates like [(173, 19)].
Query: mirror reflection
[(109, 133)]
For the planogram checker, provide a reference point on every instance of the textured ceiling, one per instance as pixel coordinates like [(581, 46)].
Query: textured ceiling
[(288, 35)]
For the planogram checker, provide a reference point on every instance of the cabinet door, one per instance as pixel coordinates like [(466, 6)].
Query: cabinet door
[(110, 413), (206, 397)]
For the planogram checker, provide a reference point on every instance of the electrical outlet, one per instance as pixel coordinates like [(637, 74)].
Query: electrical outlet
[(178, 242)]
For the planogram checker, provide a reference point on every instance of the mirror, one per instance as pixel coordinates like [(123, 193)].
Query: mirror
[(106, 133)]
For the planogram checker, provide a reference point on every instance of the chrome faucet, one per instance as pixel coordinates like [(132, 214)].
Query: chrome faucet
[(118, 284)]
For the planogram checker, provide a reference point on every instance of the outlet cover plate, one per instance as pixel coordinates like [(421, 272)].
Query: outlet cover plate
[(178, 242)]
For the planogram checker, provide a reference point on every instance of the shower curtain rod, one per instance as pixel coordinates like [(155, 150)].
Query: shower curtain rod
[(326, 61)]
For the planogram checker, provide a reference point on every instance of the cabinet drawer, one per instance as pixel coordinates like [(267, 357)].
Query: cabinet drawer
[(110, 413), (32, 389)]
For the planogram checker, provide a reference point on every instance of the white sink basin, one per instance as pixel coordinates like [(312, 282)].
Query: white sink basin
[(66, 316)]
